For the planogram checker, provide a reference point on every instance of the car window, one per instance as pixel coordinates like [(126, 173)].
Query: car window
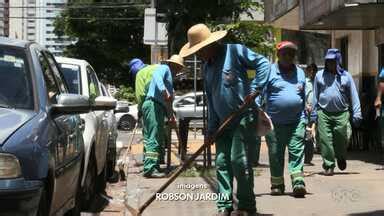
[(56, 72), (71, 74), (15, 79), (52, 88), (104, 91), (94, 89)]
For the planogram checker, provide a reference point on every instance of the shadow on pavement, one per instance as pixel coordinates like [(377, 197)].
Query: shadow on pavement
[(367, 156), (371, 213), (285, 194), (100, 202)]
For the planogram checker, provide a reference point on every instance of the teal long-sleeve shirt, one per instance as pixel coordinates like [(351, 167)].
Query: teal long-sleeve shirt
[(285, 95), (227, 83), (161, 80), (336, 93)]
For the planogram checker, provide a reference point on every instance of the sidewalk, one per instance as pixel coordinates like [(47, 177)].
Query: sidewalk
[(357, 191)]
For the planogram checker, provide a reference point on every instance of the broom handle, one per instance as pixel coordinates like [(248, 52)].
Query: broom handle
[(188, 162)]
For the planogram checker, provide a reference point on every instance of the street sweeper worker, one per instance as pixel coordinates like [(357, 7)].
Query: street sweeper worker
[(335, 97), (154, 94), (227, 86), (285, 102)]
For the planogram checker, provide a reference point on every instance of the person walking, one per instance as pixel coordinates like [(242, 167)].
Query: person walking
[(285, 102), (228, 86), (335, 97)]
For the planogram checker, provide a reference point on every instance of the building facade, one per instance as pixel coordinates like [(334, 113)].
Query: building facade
[(355, 27), (33, 20)]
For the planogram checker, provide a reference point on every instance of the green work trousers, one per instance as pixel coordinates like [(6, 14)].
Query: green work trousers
[(235, 153), (291, 135), (153, 133), (334, 132)]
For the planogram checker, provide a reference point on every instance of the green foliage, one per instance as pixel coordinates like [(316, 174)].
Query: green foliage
[(180, 15), (126, 93), (105, 42), (258, 37)]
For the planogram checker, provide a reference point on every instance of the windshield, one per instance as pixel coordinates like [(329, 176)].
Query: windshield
[(72, 77), (15, 79)]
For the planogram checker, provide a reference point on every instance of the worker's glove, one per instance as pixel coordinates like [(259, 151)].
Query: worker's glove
[(356, 122)]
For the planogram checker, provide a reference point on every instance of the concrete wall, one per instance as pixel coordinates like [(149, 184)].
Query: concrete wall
[(362, 53)]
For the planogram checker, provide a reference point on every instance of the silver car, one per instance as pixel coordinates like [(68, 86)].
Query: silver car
[(82, 79), (190, 107)]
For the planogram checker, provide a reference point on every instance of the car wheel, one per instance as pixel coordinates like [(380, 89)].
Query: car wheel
[(89, 189), (43, 204), (127, 123)]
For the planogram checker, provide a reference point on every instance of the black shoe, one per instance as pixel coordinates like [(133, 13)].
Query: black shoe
[(224, 212), (342, 164), (299, 191), (155, 174), (277, 190), (328, 172)]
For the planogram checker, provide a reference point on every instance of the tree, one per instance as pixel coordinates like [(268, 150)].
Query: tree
[(259, 37), (180, 15), (106, 34)]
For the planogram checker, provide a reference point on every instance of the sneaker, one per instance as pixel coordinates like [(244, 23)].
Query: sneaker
[(224, 212), (155, 174), (243, 213), (277, 190), (299, 191), (342, 164), (328, 172)]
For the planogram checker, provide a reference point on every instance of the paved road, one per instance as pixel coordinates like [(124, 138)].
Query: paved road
[(357, 191)]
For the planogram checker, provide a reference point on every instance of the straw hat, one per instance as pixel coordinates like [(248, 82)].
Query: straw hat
[(200, 36), (176, 59)]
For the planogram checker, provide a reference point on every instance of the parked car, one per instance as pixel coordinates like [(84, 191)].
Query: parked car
[(112, 175), (190, 106), (83, 80), (126, 121), (41, 143)]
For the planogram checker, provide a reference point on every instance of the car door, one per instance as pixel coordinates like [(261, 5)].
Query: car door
[(67, 142), (109, 116), (102, 121)]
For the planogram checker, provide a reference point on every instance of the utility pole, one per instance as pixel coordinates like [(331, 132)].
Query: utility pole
[(154, 48)]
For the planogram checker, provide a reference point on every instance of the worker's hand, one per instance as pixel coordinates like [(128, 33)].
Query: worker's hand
[(249, 99), (378, 103), (172, 122), (309, 109), (167, 96)]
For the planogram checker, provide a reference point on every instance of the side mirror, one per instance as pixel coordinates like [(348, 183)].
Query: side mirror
[(71, 104), (104, 103), (121, 107)]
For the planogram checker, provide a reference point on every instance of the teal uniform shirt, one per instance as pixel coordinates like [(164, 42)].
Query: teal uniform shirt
[(227, 83)]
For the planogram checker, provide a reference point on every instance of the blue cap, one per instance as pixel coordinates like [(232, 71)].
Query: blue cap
[(135, 65), (333, 54)]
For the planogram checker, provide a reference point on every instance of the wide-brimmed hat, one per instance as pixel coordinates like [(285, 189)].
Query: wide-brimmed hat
[(176, 59), (200, 36)]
